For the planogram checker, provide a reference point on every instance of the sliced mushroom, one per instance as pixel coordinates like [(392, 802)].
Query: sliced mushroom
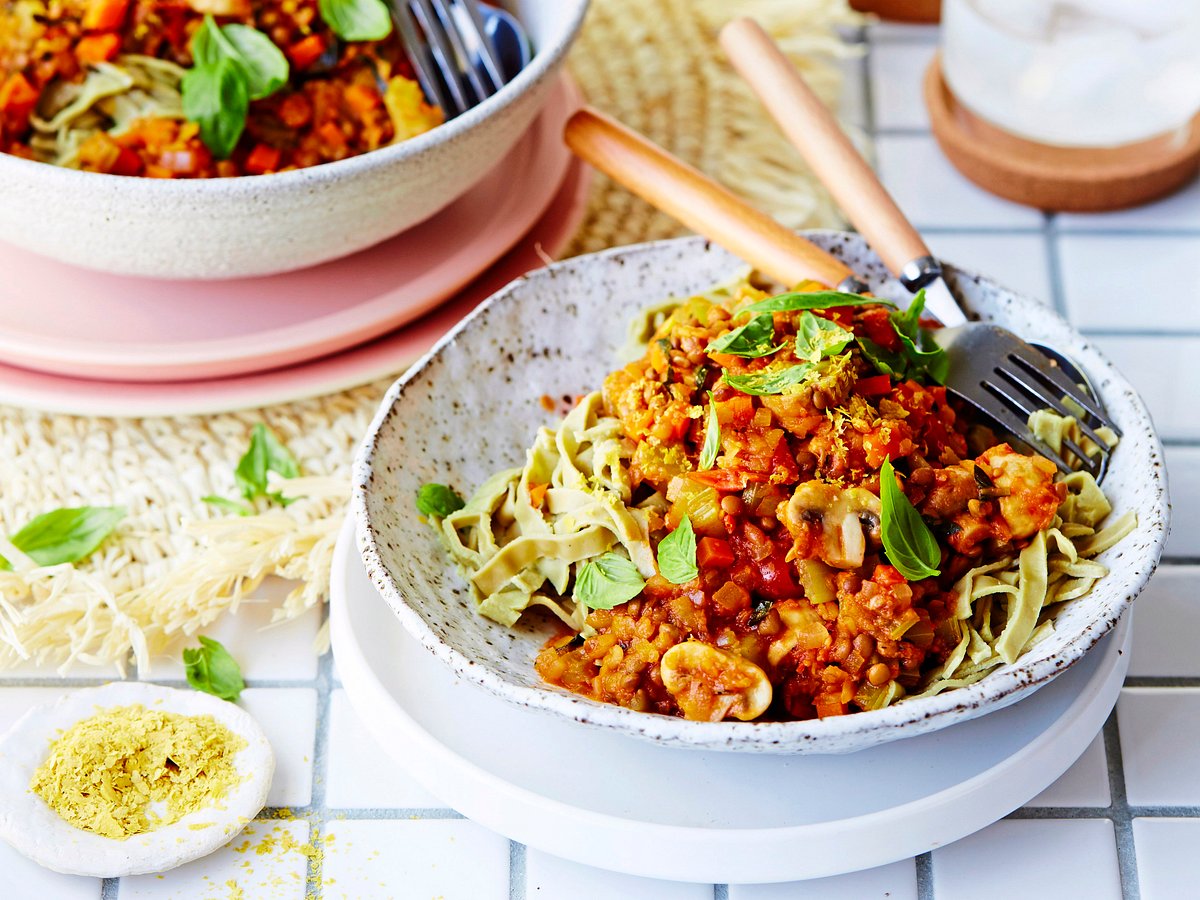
[(842, 513), (710, 684)]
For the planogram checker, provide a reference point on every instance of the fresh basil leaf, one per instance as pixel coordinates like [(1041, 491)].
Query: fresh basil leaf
[(5, 565), (217, 99), (760, 384), (795, 301), (438, 500), (923, 354), (885, 361), (677, 554), (211, 669), (266, 454), (752, 340), (712, 437), (264, 65), (229, 506), (908, 322), (608, 581), (817, 338), (206, 49), (910, 545), (67, 535), (357, 20)]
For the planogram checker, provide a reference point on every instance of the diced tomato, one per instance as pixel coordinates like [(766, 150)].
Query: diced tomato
[(307, 51), (94, 48), (361, 98), (877, 325), (875, 386), (888, 576), (738, 410), (126, 163), (332, 136), (727, 479), (262, 159), (104, 15), (713, 553), (17, 97), (294, 110)]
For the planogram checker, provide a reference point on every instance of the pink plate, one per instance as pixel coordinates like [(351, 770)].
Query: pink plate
[(387, 355), (68, 321)]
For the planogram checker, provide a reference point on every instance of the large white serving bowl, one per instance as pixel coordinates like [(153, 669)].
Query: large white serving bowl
[(264, 224), (471, 406)]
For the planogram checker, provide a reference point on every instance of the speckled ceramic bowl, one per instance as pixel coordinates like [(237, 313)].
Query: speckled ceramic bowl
[(264, 224), (471, 407)]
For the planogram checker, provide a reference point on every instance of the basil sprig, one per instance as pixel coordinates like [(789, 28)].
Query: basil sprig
[(265, 454), (65, 535), (752, 340), (233, 65), (608, 581), (677, 554), (919, 355), (210, 668), (910, 545), (356, 20), (798, 300), (762, 384), (712, 436), (817, 338), (438, 500)]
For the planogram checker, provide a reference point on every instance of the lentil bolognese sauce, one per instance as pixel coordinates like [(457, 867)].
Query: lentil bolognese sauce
[(777, 512), (203, 88)]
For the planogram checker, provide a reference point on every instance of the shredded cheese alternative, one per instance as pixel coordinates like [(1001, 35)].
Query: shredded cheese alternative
[(129, 769)]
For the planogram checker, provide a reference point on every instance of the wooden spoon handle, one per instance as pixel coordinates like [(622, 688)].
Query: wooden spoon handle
[(699, 202), (822, 143)]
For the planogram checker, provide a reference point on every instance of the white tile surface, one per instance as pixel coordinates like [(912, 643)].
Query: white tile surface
[(267, 862), (16, 701), (289, 717), (263, 650), (1031, 858), (852, 109), (549, 878), (447, 859), (897, 881), (1165, 624), (1017, 261), (1167, 861), (1163, 370), (1180, 210), (24, 879), (1131, 282), (932, 192), (1084, 784), (361, 773), (31, 670), (896, 73), (886, 32), (1160, 731), (1183, 476)]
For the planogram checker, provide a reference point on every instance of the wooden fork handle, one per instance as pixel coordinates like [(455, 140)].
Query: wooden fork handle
[(822, 143), (697, 201)]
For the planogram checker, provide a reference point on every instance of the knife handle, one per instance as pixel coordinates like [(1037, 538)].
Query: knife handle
[(700, 203)]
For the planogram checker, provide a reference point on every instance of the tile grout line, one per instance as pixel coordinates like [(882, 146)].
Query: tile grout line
[(110, 888), (1054, 270), (924, 873), (1121, 816), (517, 879), (320, 772), (720, 892)]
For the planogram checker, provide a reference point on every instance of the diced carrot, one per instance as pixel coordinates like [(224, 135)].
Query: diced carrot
[(713, 553), (126, 163), (361, 98), (737, 410), (17, 96), (294, 110), (104, 15), (94, 48), (332, 136), (727, 479), (537, 494), (307, 51), (262, 159), (725, 360), (875, 386), (731, 597)]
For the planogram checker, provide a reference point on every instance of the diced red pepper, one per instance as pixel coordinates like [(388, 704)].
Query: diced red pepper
[(875, 386), (104, 15), (127, 162), (262, 159), (332, 136), (714, 553), (17, 97), (727, 479), (361, 98), (294, 110), (888, 576), (307, 51), (94, 48)]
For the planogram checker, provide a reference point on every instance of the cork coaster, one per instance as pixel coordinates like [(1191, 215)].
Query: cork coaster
[(1065, 179)]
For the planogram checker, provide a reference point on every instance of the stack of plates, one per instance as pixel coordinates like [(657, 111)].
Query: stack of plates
[(98, 344)]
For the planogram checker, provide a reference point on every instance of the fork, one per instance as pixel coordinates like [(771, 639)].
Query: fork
[(455, 59), (994, 370)]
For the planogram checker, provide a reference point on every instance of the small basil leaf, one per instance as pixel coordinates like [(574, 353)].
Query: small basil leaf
[(216, 98), (206, 44), (817, 338), (67, 535), (266, 454), (761, 384), (885, 361), (677, 554), (211, 669), (357, 20), (924, 356), (5, 565), (264, 65), (228, 506), (608, 581), (712, 437), (792, 302), (438, 500), (910, 545), (908, 322), (752, 340), (762, 606)]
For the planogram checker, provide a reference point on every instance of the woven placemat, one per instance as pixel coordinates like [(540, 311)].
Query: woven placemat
[(175, 563)]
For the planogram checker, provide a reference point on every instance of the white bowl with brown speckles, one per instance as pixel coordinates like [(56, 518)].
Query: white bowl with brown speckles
[(265, 224), (471, 407)]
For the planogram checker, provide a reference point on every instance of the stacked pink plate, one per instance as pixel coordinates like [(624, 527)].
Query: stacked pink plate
[(97, 344)]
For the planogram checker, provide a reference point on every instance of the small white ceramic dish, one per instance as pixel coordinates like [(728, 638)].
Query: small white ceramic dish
[(37, 831), (265, 224), (603, 799), (471, 407)]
